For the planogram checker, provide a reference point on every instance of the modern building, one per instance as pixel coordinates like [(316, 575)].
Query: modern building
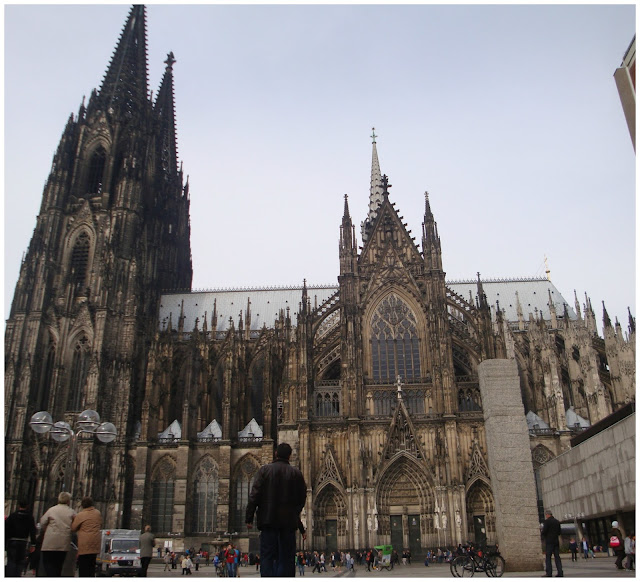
[(594, 483), (625, 77), (418, 408)]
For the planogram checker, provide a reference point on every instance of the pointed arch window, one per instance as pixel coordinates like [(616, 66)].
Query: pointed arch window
[(162, 491), (395, 347), (80, 260), (79, 372), (244, 481), (97, 164), (46, 379), (205, 497)]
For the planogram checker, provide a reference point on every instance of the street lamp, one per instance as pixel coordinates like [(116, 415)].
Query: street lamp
[(88, 422)]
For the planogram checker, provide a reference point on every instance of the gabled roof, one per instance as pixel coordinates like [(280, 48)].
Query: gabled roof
[(266, 303)]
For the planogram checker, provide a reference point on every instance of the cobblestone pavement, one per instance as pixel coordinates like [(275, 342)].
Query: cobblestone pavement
[(601, 567)]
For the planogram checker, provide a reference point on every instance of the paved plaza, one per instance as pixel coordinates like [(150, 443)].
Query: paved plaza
[(601, 567)]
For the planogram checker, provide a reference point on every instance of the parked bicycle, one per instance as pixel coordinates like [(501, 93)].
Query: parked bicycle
[(486, 560)]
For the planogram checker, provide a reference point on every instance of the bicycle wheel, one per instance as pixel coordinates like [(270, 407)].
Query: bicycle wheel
[(495, 566), (462, 567)]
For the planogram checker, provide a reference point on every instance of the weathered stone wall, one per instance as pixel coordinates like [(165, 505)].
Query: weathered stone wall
[(597, 477), (510, 466)]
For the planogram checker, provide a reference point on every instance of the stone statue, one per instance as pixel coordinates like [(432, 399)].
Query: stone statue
[(436, 522), (369, 523), (303, 517), (458, 518), (356, 523), (444, 520)]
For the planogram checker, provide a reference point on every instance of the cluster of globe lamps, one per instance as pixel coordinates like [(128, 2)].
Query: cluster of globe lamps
[(88, 422)]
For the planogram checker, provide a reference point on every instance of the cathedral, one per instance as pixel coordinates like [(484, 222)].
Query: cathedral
[(374, 381)]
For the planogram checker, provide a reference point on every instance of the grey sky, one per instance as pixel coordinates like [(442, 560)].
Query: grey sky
[(507, 115)]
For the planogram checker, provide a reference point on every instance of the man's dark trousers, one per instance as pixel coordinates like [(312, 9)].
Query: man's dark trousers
[(555, 550), (16, 558), (277, 552), (87, 565)]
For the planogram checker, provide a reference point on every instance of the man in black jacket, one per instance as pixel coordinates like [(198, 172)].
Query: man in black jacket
[(19, 527), (550, 534), (279, 493)]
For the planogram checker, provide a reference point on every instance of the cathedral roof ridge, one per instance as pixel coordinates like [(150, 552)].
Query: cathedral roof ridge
[(251, 288), (497, 280)]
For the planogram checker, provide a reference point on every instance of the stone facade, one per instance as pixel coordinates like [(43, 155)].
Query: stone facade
[(510, 464), (201, 386), (595, 478)]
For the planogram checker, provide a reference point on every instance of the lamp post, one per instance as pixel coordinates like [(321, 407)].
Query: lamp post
[(231, 534), (88, 422)]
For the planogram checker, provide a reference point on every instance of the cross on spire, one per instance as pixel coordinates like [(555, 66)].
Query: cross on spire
[(170, 60), (373, 134)]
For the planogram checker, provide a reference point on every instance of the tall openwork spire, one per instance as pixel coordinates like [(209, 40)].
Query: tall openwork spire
[(165, 109), (376, 191), (124, 87)]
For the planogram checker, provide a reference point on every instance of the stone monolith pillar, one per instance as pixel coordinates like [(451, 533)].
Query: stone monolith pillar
[(510, 466)]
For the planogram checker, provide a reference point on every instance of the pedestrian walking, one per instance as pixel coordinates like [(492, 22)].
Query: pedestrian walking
[(573, 548), (550, 534), (279, 493), (56, 523), (230, 559), (630, 551), (616, 544), (584, 545), (147, 543), (167, 561), (19, 529), (87, 524)]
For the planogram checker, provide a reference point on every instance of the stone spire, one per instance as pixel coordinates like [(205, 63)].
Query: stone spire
[(375, 191), (165, 110), (124, 87)]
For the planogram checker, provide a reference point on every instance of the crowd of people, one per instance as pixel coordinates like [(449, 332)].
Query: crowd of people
[(278, 495)]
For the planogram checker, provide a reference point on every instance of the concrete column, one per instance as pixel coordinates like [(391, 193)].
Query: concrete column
[(510, 466)]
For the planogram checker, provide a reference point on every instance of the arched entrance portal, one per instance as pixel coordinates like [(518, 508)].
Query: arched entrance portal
[(481, 517), (330, 523), (405, 501)]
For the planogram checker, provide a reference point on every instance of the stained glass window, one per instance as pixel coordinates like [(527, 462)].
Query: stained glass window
[(79, 372), (395, 347), (205, 496), (80, 260), (243, 483), (162, 489), (96, 171)]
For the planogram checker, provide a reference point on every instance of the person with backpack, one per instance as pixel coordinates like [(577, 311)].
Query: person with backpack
[(616, 544)]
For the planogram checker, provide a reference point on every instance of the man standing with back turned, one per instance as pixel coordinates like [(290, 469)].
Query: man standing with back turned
[(279, 492), (550, 534)]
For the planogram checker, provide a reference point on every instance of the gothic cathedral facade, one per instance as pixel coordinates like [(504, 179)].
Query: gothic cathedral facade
[(374, 382)]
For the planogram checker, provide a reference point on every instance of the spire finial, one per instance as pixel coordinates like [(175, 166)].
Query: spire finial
[(373, 135), (170, 60), (385, 185)]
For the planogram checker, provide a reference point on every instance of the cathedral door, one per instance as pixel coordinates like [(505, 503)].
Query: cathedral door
[(479, 530), (332, 534), (415, 543), (397, 537)]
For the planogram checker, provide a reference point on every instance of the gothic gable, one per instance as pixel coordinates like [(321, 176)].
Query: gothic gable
[(477, 467), (388, 229), (329, 471), (401, 436)]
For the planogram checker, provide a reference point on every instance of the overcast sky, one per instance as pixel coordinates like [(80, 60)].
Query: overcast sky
[(507, 115)]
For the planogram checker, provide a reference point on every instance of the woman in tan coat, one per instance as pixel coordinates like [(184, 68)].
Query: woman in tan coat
[(88, 524), (57, 535)]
